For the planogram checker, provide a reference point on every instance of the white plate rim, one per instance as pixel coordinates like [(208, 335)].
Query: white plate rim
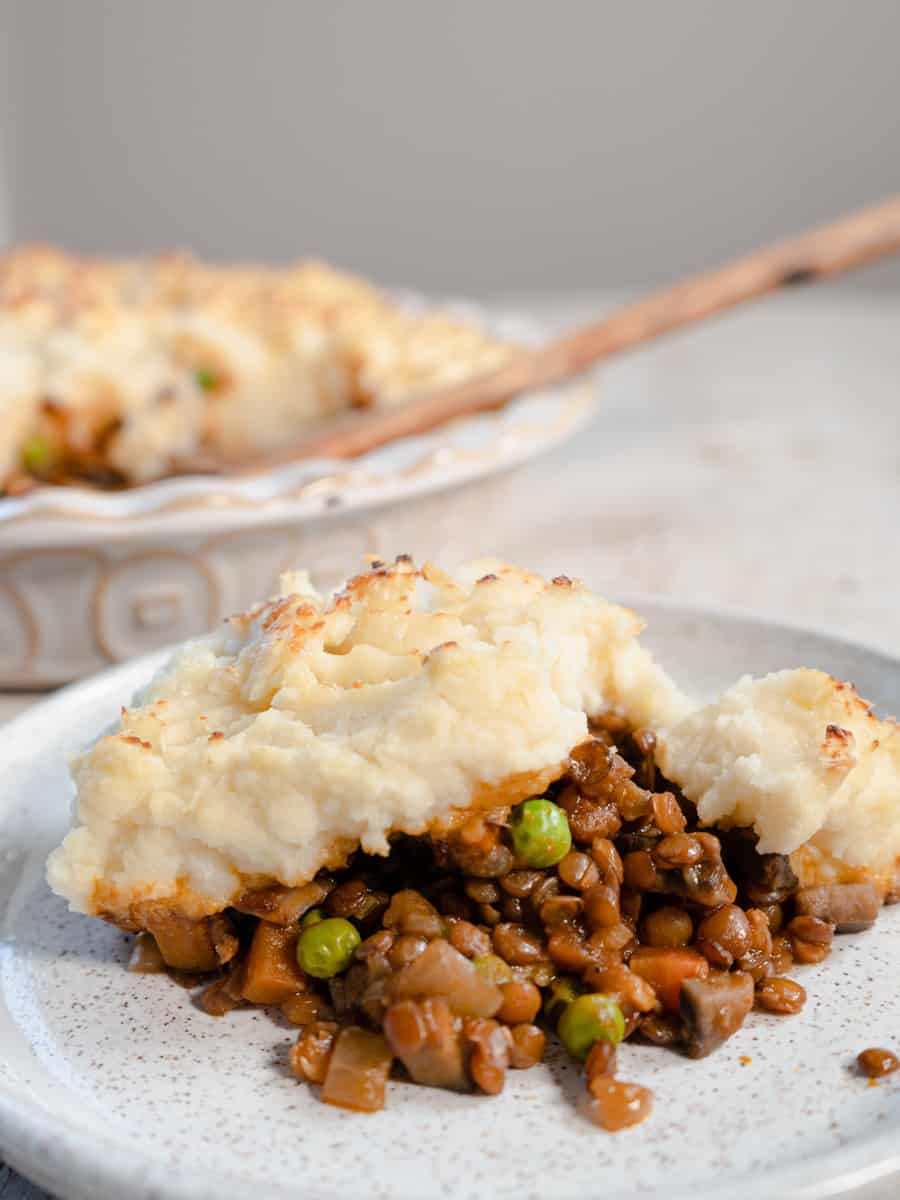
[(55, 1152)]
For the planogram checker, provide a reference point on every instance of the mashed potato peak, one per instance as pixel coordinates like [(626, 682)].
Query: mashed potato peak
[(798, 756), (310, 726)]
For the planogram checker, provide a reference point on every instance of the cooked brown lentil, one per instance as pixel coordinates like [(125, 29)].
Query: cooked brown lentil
[(662, 1029), (578, 871), (667, 814), (569, 950), (517, 946), (601, 906), (810, 938), (600, 1062), (521, 883), (528, 1044), (668, 926), (406, 949), (875, 1063), (725, 935), (677, 850), (616, 1105), (468, 939), (521, 1002), (779, 995), (560, 910), (312, 1050), (489, 1045), (609, 861)]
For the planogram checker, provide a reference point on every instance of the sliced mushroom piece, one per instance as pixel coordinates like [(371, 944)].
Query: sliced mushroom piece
[(442, 971), (223, 995), (713, 1009), (771, 878), (850, 907), (282, 905), (224, 938), (768, 878)]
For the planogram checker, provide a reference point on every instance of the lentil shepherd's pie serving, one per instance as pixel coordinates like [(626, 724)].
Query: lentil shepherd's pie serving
[(438, 819)]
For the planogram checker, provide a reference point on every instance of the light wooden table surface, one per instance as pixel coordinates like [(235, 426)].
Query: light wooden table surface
[(754, 464)]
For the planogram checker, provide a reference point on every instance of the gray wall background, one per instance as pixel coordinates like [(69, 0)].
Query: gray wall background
[(475, 145)]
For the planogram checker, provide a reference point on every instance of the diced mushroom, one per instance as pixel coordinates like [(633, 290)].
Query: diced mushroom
[(425, 1036), (767, 878), (311, 1053), (223, 995), (282, 905), (772, 878), (272, 973), (224, 939), (358, 1070), (442, 971), (714, 1009), (850, 907), (410, 912)]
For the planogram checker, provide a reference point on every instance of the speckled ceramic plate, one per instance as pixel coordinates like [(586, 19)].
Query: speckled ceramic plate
[(112, 1085)]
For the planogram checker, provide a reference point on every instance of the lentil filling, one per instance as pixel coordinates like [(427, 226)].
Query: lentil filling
[(596, 913)]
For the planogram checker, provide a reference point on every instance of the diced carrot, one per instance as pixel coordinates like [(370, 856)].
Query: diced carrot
[(665, 967), (272, 972)]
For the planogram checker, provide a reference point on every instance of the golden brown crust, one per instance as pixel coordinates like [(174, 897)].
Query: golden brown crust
[(839, 748), (516, 788)]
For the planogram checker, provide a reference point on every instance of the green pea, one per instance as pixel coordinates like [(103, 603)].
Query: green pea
[(591, 1018), (313, 917), (37, 453), (327, 947), (540, 833), (493, 968), (563, 990), (207, 380)]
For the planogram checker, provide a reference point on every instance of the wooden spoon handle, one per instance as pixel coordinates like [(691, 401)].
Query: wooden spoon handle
[(851, 242)]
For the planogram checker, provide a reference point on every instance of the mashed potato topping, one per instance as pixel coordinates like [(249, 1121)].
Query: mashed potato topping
[(801, 758), (310, 726)]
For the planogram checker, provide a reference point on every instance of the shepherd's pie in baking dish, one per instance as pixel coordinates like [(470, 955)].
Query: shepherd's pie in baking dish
[(114, 372)]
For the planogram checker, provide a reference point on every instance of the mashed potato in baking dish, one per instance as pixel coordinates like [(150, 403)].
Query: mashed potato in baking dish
[(310, 726), (125, 368)]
